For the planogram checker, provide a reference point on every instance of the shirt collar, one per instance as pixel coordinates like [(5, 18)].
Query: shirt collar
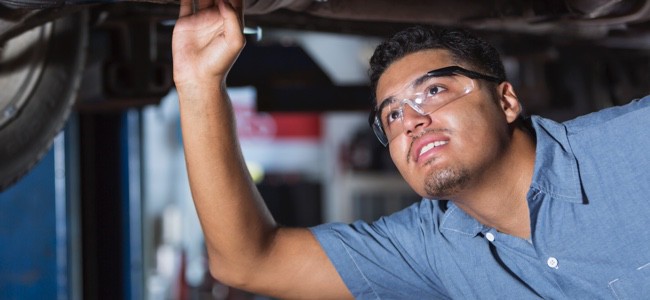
[(555, 174), (556, 168), (458, 221)]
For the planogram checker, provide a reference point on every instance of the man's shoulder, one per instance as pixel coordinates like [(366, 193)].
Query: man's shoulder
[(395, 224), (634, 113), (404, 220)]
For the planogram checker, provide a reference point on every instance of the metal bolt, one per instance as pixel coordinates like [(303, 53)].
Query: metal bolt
[(254, 31)]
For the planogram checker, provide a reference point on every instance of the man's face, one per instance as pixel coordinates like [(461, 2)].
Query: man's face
[(443, 153)]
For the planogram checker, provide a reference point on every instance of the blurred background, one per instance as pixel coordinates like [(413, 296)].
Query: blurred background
[(95, 201)]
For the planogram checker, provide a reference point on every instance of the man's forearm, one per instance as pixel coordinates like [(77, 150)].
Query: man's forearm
[(236, 223)]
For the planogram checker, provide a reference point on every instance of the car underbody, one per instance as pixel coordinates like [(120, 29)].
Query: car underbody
[(566, 57)]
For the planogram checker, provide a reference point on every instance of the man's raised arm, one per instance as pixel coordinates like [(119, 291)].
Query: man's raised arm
[(245, 246)]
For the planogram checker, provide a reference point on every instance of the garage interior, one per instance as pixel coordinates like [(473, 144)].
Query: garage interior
[(106, 213)]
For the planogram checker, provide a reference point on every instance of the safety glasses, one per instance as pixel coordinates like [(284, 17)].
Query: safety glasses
[(424, 95)]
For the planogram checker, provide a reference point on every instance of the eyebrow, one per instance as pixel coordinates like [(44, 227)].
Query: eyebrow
[(418, 81), (384, 103)]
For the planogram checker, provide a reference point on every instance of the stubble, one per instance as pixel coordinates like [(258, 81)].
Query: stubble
[(446, 182)]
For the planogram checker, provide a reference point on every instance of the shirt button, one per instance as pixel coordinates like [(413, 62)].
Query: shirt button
[(489, 236), (552, 262)]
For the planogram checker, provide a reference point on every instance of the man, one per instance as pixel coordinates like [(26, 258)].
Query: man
[(526, 208)]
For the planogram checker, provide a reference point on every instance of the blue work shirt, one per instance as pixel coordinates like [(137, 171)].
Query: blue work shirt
[(589, 204)]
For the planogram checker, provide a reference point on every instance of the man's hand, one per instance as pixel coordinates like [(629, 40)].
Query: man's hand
[(207, 40)]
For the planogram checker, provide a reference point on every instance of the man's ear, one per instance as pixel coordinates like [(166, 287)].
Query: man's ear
[(508, 101)]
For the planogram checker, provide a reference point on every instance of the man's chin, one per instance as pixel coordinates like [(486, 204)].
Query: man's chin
[(444, 184)]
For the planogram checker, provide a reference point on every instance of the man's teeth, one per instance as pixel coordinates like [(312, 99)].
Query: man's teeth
[(432, 145)]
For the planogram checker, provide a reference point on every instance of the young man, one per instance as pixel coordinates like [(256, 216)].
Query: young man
[(513, 208)]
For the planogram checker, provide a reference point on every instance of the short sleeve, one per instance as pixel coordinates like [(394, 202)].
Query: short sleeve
[(386, 259)]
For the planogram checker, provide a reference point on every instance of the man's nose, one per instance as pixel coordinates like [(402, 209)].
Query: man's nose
[(414, 119)]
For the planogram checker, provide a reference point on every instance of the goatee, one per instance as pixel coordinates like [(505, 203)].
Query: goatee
[(447, 182)]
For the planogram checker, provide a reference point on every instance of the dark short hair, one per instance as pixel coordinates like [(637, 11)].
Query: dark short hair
[(463, 46)]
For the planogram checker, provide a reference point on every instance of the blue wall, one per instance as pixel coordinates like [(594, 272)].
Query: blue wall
[(28, 247)]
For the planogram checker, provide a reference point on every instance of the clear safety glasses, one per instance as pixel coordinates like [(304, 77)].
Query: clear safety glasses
[(424, 95)]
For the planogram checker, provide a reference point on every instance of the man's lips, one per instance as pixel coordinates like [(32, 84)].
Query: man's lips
[(426, 144)]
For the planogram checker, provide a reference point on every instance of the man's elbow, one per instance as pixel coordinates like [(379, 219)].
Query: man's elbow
[(229, 274)]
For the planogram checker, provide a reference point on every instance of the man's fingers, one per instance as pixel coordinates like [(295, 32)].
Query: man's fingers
[(238, 5), (185, 8), (188, 7), (203, 4), (234, 21)]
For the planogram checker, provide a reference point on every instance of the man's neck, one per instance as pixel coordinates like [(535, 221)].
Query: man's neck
[(498, 199)]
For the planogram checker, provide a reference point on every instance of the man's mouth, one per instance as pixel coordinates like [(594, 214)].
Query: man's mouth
[(425, 142), (432, 145)]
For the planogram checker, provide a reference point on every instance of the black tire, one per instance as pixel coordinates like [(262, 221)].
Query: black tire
[(40, 74)]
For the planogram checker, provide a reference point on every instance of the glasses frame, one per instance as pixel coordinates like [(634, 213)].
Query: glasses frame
[(375, 122)]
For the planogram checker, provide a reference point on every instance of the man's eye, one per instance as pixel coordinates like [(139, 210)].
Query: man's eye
[(393, 115), (434, 90)]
